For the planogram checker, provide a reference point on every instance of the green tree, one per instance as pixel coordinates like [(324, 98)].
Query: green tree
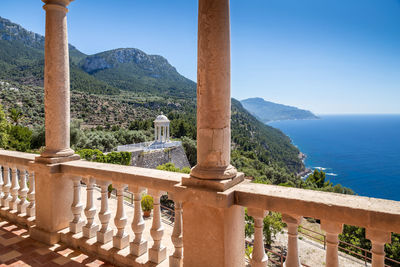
[(15, 115), (20, 138), (4, 129)]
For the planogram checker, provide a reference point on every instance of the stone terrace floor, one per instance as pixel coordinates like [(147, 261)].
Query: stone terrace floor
[(17, 249)]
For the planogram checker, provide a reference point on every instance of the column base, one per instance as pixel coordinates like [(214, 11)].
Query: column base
[(50, 153), (90, 231), (30, 211), (121, 242), (21, 207), (13, 205), (138, 249), (44, 236), (51, 159), (263, 263), (216, 173), (105, 237), (157, 255), (76, 227), (175, 262), (214, 184)]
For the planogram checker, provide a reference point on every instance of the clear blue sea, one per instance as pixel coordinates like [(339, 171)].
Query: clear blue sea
[(361, 152)]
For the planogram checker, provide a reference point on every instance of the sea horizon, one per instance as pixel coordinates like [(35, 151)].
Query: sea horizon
[(358, 151)]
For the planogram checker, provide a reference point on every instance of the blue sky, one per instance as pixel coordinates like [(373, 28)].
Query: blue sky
[(331, 56)]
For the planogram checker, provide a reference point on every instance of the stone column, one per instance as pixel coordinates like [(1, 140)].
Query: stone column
[(159, 133), (213, 92), (168, 133), (332, 229), (292, 258), (56, 191), (155, 133), (208, 207), (56, 81), (378, 239)]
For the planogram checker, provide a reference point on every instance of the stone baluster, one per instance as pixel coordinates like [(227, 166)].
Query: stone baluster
[(75, 226), (292, 257), (139, 245), (176, 260), (91, 228), (378, 239), (105, 234), (258, 258), (121, 239), (157, 253), (1, 183), (23, 192), (6, 187), (14, 189), (31, 209), (332, 229)]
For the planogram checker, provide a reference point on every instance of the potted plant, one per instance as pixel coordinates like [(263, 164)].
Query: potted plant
[(110, 189), (147, 205)]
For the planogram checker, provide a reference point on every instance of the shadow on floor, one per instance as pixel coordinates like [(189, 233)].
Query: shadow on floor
[(18, 249)]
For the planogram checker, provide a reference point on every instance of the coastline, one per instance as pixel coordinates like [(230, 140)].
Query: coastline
[(307, 171)]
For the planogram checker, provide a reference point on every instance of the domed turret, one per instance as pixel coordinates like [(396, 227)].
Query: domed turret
[(161, 129)]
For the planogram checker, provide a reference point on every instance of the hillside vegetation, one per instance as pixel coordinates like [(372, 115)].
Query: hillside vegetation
[(121, 89)]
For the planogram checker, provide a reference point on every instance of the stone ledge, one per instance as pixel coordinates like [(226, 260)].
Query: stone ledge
[(216, 185)]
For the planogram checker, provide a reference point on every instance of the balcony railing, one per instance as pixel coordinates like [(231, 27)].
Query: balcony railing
[(17, 190)]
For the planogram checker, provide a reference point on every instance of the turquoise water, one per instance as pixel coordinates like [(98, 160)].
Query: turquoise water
[(361, 152)]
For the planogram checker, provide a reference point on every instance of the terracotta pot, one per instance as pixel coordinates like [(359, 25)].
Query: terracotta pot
[(146, 213), (109, 194)]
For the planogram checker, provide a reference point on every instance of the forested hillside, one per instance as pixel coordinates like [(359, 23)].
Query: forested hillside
[(116, 94)]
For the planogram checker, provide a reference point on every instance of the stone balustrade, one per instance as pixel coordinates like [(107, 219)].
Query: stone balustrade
[(378, 216), (17, 192), (134, 250), (17, 187)]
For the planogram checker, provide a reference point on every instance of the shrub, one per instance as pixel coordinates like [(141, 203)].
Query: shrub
[(147, 203)]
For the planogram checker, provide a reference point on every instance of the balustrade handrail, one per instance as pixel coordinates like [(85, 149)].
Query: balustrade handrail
[(15, 158), (128, 175), (360, 211)]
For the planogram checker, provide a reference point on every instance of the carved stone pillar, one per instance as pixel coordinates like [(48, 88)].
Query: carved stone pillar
[(14, 189), (105, 234), (213, 92), (139, 245), (258, 258), (23, 193), (31, 209), (75, 226), (158, 252), (55, 196), (91, 228), (121, 239), (203, 218), (6, 187), (378, 239), (56, 81), (176, 259), (332, 229), (292, 258)]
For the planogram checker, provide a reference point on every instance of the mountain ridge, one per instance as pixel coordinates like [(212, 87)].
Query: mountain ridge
[(128, 85), (267, 111)]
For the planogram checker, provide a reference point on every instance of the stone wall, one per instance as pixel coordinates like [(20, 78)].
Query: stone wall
[(152, 159)]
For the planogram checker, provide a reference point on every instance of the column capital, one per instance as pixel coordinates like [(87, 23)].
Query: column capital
[(291, 219), (378, 236), (332, 227), (57, 5)]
